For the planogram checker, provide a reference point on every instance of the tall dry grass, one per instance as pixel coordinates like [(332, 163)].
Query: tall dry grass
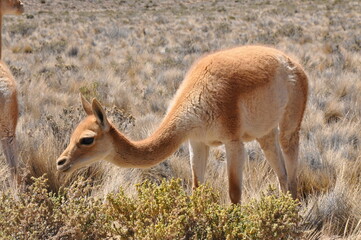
[(132, 56)]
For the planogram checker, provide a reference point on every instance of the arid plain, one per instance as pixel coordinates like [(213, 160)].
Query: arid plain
[(132, 56)]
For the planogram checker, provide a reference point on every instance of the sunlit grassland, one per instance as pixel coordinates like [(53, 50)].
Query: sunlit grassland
[(132, 56)]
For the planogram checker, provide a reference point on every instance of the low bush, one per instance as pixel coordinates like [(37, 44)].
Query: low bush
[(162, 211)]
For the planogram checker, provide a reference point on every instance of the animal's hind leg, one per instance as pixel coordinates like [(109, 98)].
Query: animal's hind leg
[(10, 149), (198, 152), (289, 142), (272, 151), (290, 126), (235, 154)]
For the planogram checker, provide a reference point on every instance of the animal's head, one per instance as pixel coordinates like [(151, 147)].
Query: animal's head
[(11, 7), (90, 141)]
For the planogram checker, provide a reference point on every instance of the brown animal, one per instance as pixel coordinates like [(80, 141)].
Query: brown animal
[(8, 96), (228, 97)]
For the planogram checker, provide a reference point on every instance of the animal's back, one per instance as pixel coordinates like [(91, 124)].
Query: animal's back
[(216, 85), (235, 70)]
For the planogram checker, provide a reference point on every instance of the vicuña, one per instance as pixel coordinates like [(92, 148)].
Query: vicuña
[(8, 96), (228, 97)]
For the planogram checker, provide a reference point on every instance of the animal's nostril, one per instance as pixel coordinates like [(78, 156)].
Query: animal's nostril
[(61, 162)]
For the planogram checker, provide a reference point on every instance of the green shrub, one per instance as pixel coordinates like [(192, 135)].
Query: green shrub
[(164, 211), (38, 214), (167, 212), (272, 217)]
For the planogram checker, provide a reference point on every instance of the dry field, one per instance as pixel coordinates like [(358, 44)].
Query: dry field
[(132, 56)]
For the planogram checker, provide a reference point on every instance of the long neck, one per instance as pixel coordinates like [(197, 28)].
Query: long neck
[(152, 150)]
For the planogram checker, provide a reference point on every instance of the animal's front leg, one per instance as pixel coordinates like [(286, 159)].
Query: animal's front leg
[(235, 154)]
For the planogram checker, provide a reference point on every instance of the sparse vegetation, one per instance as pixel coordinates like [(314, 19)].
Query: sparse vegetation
[(132, 55)]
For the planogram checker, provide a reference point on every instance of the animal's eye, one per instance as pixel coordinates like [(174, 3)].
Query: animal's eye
[(86, 141)]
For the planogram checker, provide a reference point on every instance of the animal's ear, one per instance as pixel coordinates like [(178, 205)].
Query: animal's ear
[(86, 105), (100, 115)]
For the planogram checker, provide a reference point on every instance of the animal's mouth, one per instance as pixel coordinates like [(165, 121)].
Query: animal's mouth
[(64, 169)]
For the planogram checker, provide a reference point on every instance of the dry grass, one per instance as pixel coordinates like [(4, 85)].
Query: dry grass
[(133, 55)]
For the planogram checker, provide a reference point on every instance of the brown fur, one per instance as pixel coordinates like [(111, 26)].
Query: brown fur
[(228, 97), (8, 96)]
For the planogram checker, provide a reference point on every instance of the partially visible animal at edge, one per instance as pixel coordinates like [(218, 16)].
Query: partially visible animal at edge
[(8, 98)]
